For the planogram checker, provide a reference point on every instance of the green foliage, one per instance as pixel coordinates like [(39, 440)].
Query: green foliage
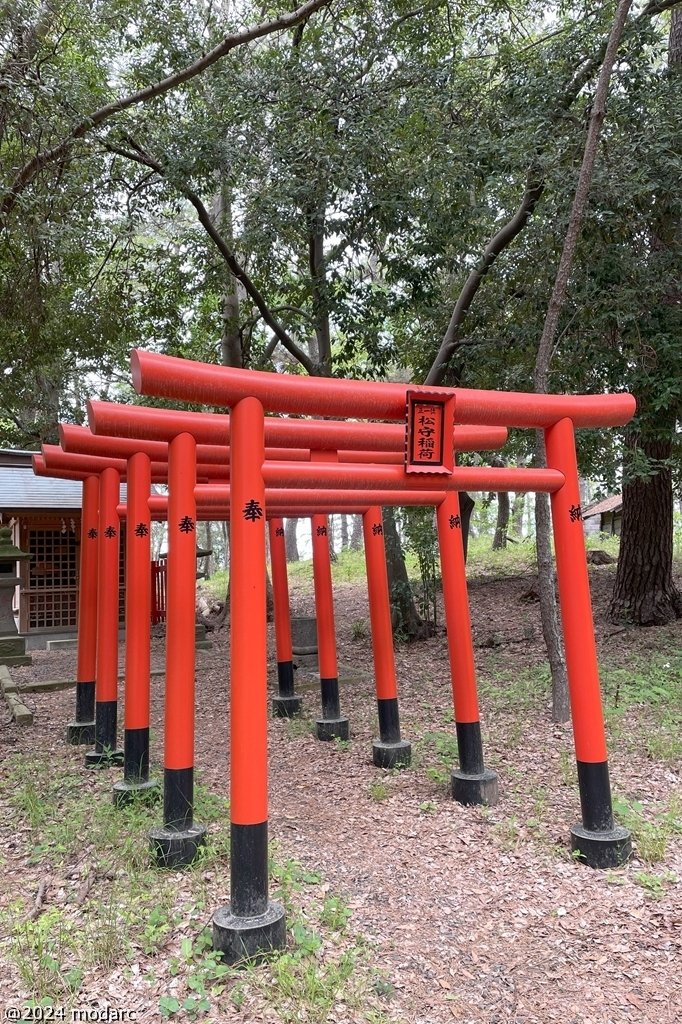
[(421, 538)]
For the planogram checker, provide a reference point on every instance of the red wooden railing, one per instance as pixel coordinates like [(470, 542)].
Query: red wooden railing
[(158, 591)]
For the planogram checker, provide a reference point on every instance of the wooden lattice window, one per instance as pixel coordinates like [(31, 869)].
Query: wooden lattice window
[(51, 580)]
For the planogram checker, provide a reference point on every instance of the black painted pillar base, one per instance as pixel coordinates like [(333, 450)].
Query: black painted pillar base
[(332, 728), (176, 843), (106, 753), (103, 758), (602, 849), (125, 793), (286, 707), (600, 842), (285, 678), (246, 938), (478, 788), (176, 848), (332, 725), (391, 755), (78, 733)]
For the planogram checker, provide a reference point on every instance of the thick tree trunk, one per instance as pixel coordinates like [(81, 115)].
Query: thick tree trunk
[(644, 591), (356, 534), (502, 524), (344, 532), (407, 622), (291, 540)]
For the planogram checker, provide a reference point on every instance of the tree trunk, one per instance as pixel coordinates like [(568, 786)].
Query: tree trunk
[(466, 507), (548, 610), (344, 532), (225, 527), (406, 620), (208, 544), (500, 538), (516, 517), (549, 616), (330, 538), (291, 540), (644, 591), (356, 534)]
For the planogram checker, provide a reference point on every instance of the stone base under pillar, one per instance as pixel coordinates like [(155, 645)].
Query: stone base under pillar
[(103, 758), (286, 707), (602, 849), (244, 938), (480, 788), (391, 755), (80, 732), (125, 793), (332, 728), (176, 848)]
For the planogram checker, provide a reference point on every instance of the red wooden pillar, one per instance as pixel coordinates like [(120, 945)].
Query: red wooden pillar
[(600, 842), (83, 729), (390, 751), (106, 672), (136, 782), (331, 725), (177, 841), (286, 703), (250, 923), (472, 783)]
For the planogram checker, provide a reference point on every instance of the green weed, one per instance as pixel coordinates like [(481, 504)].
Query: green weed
[(654, 884), (378, 790)]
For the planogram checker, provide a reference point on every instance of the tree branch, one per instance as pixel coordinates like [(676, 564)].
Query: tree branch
[(42, 159), (597, 116), (500, 240), (141, 156), (534, 189)]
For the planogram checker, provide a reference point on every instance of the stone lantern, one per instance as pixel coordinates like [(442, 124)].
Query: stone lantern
[(12, 646)]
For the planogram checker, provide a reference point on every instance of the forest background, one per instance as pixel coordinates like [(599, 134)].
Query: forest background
[(358, 189)]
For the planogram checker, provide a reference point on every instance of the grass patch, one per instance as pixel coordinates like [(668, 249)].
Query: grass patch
[(525, 690), (650, 834), (653, 689), (134, 914)]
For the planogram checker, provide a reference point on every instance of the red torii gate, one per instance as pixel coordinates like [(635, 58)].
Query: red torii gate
[(251, 922), (390, 749)]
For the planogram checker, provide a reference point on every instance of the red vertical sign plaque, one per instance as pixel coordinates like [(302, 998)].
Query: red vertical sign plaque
[(429, 432)]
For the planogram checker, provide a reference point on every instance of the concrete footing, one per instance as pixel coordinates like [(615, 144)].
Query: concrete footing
[(602, 849), (176, 848), (332, 728), (480, 788), (391, 755), (245, 938)]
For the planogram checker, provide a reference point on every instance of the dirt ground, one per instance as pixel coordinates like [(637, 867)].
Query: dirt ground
[(472, 914)]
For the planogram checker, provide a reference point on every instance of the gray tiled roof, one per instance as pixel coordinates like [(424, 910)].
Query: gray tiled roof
[(21, 489)]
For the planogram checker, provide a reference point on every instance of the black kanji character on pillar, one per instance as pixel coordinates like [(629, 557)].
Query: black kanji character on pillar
[(141, 530), (377, 528), (455, 522), (322, 531), (252, 510), (92, 533), (110, 532), (575, 512), (186, 525), (279, 532)]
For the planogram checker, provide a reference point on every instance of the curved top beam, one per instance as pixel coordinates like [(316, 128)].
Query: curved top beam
[(190, 381), (148, 423)]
